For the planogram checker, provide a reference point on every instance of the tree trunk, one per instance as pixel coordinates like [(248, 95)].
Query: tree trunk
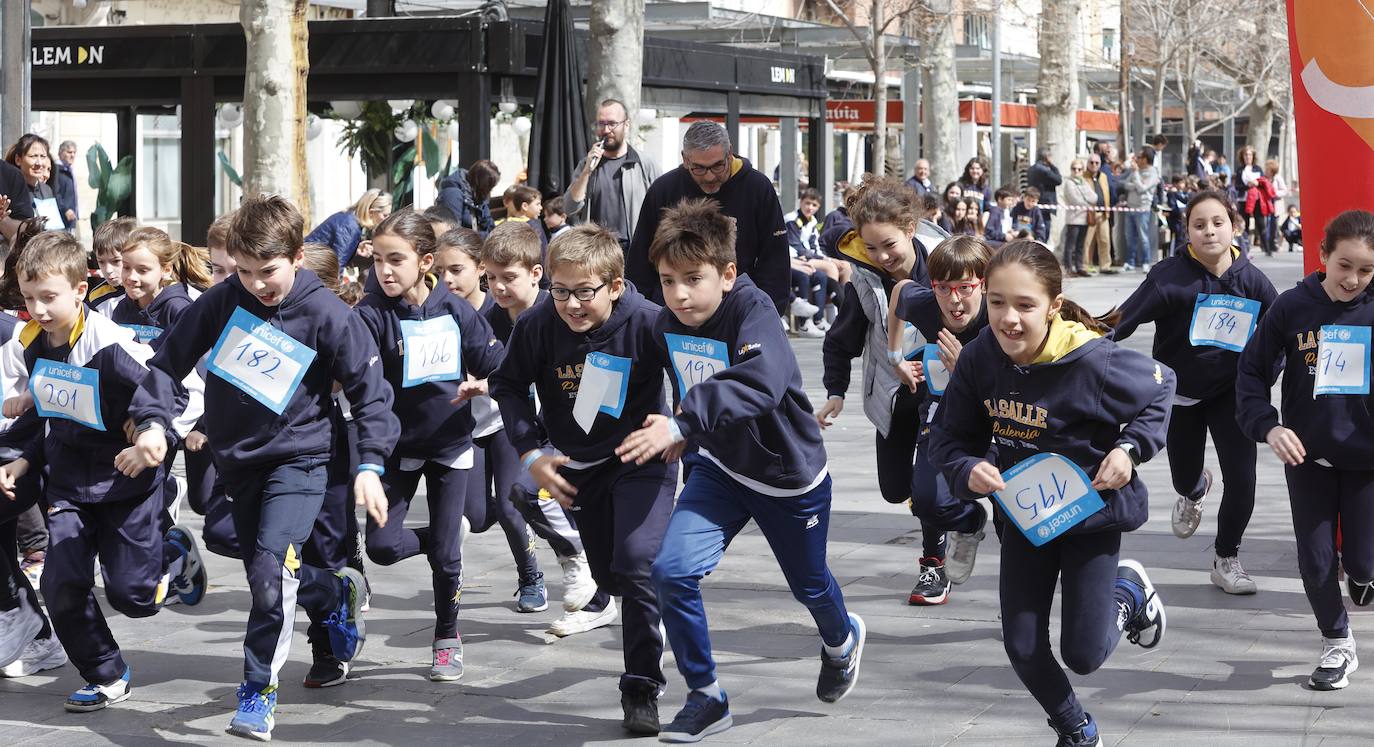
[(1189, 101), (615, 55), (1057, 104), (941, 105), (879, 64), (1260, 128), (1157, 105), (274, 100)]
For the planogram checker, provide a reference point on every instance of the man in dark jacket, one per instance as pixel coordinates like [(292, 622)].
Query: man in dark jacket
[(710, 169), (15, 202), (920, 177), (64, 184)]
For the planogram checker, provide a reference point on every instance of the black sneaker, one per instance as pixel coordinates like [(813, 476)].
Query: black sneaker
[(326, 671), (839, 675), (1084, 736), (932, 585), (1361, 593), (641, 712), (1337, 662), (1143, 621), (701, 717)]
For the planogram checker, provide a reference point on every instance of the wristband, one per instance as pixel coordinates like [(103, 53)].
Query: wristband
[(378, 469), (676, 431), (148, 425), (895, 357), (531, 458)]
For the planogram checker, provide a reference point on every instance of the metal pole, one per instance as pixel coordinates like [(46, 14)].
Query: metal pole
[(16, 77), (1125, 85), (787, 163), (995, 178)]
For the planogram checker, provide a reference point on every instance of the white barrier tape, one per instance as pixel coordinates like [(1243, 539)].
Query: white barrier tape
[(1085, 209)]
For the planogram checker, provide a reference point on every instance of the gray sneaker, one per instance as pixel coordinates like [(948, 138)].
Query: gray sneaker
[(962, 550), (1230, 576), (1188, 512), (448, 660)]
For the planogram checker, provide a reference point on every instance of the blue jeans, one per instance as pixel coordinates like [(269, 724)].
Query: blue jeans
[(711, 510), (1138, 238)]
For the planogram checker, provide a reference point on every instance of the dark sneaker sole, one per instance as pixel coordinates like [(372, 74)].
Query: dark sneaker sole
[(246, 733), (1324, 686), (1151, 595), (320, 684), (524, 608), (682, 737)]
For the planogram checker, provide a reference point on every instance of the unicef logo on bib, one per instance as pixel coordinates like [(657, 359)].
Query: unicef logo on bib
[(696, 359), (1046, 496), (1342, 360), (144, 333), (61, 390), (1223, 321), (262, 361)]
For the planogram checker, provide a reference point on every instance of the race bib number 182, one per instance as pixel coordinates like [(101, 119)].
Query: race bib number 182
[(262, 361)]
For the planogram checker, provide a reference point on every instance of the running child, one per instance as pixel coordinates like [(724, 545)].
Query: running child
[(1205, 303), (884, 251), (589, 351), (760, 456), (107, 242), (1047, 391), (429, 340), (951, 312), (272, 436), (1320, 332), (80, 371)]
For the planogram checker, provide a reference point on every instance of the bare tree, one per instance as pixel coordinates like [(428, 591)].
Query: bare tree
[(940, 84), (1057, 103), (615, 54), (274, 99)]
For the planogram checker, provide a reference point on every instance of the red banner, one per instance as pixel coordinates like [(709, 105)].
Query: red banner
[(1329, 48)]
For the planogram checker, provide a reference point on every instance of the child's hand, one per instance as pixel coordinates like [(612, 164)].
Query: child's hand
[(10, 474), (1286, 445), (829, 411), (368, 493), (16, 406), (1114, 471), (949, 349), (148, 450), (911, 373), (674, 453), (647, 442), (469, 389), (364, 249), (544, 470), (985, 479), (195, 441)]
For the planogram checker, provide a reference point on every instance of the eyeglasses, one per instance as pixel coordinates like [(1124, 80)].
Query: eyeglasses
[(608, 125), (962, 290), (584, 295), (1075, 168), (715, 168)]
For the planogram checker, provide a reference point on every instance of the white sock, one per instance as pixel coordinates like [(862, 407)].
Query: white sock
[(711, 691), (174, 567), (842, 650)]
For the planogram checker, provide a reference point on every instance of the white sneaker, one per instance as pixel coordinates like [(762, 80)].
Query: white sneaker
[(41, 654), (17, 627), (578, 586), (1228, 574), (801, 307), (1337, 662), (582, 621), (823, 326), (1188, 513), (810, 330), (785, 326), (179, 493), (961, 550)]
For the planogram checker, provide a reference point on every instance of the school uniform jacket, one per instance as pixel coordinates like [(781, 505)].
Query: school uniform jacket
[(1081, 397), (752, 418), (434, 428), (243, 432), (148, 326), (15, 433), (918, 305), (544, 352), (1337, 429), (80, 458), (1167, 297)]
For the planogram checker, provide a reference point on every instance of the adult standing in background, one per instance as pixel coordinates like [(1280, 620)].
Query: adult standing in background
[(32, 156), (64, 184), (15, 203), (1045, 176), (347, 231), (920, 178), (613, 178), (710, 169), (1139, 187)]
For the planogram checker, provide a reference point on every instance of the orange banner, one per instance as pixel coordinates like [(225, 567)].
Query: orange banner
[(1329, 48)]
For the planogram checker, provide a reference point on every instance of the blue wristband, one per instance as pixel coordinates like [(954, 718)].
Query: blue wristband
[(533, 457), (377, 468), (895, 357), (675, 430)]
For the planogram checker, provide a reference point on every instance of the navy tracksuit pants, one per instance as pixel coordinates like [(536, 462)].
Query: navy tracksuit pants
[(901, 481), (711, 510), (1187, 438), (1323, 498), (496, 465), (622, 512), (13, 582)]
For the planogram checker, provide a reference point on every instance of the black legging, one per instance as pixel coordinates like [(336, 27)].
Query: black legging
[(896, 454), (1073, 246), (1187, 439)]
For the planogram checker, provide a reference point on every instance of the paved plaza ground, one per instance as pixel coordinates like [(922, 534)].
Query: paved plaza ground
[(1230, 672)]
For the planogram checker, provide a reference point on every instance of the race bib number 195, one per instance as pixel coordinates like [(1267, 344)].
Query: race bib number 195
[(1046, 496), (262, 361)]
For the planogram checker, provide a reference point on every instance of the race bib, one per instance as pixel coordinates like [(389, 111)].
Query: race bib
[(605, 382), (61, 390), (1342, 360), (937, 376), (1223, 321), (144, 333), (431, 350), (696, 359), (1046, 496), (262, 361), (912, 342)]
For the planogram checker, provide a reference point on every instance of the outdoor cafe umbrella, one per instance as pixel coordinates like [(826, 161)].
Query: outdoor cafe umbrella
[(559, 137)]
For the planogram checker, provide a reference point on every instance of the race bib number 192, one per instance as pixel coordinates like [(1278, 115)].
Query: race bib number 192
[(695, 359), (262, 361)]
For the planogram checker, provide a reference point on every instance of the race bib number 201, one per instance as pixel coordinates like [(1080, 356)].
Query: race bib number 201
[(262, 361), (61, 390)]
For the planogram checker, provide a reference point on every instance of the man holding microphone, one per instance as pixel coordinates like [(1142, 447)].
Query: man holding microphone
[(613, 179)]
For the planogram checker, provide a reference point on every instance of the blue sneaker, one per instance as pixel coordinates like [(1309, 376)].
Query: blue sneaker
[(345, 623), (191, 583), (254, 718), (1140, 611), (94, 697), (701, 717), (1082, 735), (532, 596), (838, 675)]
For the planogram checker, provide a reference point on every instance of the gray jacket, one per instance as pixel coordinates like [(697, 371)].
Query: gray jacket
[(1140, 187), (880, 379), (637, 172)]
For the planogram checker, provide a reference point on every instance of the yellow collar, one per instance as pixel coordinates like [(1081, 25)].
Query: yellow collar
[(1064, 337), (32, 330)]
